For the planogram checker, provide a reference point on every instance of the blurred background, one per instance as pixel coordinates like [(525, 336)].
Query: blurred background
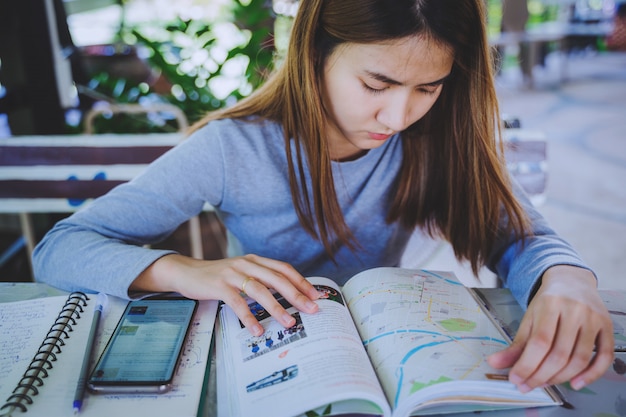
[(66, 64)]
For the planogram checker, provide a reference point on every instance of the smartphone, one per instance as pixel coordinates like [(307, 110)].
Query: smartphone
[(142, 354)]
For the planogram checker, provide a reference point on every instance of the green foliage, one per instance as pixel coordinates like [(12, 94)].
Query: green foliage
[(256, 17), (538, 12), (195, 68)]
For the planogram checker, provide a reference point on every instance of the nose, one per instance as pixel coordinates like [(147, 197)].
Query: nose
[(404, 108), (397, 112)]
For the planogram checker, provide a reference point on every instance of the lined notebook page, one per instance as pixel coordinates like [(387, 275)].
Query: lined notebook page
[(23, 327)]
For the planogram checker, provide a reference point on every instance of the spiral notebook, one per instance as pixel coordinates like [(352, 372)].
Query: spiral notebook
[(42, 343), (25, 328)]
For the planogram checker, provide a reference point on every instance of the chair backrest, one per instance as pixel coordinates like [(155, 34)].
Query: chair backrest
[(527, 161), (61, 173)]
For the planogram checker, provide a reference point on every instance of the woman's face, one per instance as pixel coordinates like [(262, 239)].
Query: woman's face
[(372, 91)]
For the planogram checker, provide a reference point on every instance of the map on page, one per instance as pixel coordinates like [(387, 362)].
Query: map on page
[(422, 328)]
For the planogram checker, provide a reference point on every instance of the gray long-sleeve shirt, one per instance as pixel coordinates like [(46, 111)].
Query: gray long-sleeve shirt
[(240, 169)]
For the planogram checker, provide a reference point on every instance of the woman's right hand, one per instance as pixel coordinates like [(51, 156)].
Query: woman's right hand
[(226, 280)]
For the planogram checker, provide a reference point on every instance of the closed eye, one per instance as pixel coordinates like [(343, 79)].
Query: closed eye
[(373, 90), (432, 88), (430, 91)]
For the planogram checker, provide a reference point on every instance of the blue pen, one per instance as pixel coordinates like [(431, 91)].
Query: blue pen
[(82, 379)]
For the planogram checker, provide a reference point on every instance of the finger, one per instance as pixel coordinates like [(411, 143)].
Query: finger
[(580, 359), (572, 352), (271, 274), (240, 307), (506, 358), (254, 275), (288, 272), (537, 344), (244, 283), (601, 361), (267, 300), (567, 357)]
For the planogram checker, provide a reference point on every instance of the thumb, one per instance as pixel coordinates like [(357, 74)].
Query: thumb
[(506, 357)]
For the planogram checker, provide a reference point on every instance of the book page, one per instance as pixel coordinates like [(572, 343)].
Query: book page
[(318, 361), (422, 329), (606, 397)]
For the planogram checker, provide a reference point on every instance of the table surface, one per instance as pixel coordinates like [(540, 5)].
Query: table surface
[(605, 397)]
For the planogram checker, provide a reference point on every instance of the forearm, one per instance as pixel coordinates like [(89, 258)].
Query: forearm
[(521, 268), (81, 260), (163, 275)]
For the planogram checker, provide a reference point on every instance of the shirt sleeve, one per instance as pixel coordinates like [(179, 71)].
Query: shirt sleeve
[(102, 247), (520, 265)]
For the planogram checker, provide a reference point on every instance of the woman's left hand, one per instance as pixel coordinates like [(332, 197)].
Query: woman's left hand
[(555, 343)]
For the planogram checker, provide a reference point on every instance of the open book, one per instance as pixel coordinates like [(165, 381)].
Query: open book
[(391, 342)]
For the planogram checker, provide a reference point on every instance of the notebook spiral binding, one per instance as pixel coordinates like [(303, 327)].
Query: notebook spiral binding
[(41, 363)]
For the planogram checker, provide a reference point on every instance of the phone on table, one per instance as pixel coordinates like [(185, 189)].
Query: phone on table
[(142, 354)]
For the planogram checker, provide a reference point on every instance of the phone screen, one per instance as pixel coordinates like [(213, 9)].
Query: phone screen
[(143, 351)]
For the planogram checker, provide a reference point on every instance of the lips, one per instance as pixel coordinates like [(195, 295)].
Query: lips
[(378, 136)]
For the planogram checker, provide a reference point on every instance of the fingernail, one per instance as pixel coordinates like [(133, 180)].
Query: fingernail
[(514, 379), (257, 330), (288, 319), (524, 388), (311, 306), (577, 384)]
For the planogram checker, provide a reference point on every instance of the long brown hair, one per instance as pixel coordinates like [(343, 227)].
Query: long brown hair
[(453, 180)]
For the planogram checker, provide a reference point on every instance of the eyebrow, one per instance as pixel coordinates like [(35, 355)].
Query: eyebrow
[(383, 78)]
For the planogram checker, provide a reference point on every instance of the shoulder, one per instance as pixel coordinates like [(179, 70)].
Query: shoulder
[(250, 128), (242, 139)]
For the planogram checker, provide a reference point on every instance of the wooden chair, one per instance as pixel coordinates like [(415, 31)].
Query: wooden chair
[(61, 174)]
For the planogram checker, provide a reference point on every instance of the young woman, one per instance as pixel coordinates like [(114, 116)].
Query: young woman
[(381, 123)]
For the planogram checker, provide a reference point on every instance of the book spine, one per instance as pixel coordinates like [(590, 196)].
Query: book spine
[(50, 347)]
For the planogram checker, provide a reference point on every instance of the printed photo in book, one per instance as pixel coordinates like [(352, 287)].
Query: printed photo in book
[(391, 342)]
